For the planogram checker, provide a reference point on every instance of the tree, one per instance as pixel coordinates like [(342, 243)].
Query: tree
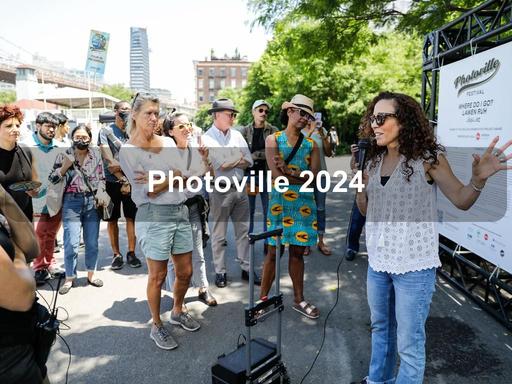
[(420, 16), (7, 97), (202, 119), (340, 88), (119, 91)]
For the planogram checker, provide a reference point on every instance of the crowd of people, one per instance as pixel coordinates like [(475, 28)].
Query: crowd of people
[(55, 179)]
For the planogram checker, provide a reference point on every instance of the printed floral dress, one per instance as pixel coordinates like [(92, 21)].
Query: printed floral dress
[(293, 210)]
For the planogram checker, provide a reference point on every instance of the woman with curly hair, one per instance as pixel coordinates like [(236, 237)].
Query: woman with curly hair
[(405, 164)]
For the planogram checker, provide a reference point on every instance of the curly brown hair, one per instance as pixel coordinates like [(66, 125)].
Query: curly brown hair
[(416, 139), (9, 111)]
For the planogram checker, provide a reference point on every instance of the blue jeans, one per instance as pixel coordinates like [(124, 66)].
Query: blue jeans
[(399, 306), (78, 212), (320, 206), (252, 206), (355, 227)]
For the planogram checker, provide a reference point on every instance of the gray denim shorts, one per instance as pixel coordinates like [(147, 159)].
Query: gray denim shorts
[(163, 230)]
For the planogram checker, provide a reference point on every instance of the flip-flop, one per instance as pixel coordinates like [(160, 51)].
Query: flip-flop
[(325, 250), (307, 309), (95, 283)]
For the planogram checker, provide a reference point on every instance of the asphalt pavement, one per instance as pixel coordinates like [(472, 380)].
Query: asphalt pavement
[(107, 329)]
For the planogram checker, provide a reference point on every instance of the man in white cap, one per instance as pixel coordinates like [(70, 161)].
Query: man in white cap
[(255, 135), (230, 157)]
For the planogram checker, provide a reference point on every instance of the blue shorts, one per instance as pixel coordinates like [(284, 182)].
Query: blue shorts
[(163, 230)]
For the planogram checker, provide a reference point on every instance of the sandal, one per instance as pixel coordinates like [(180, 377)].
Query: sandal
[(324, 249), (307, 251), (65, 287), (95, 283), (306, 309)]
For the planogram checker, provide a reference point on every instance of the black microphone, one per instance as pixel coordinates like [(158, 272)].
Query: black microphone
[(363, 145)]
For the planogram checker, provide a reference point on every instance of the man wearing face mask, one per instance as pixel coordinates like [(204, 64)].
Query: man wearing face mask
[(110, 140), (44, 150)]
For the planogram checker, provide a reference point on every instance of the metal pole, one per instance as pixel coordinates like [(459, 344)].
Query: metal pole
[(277, 292), (44, 95), (251, 305), (90, 96)]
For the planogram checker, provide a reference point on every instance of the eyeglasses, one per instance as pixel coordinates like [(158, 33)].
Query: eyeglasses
[(232, 115), (184, 125), (304, 114), (263, 110), (380, 118)]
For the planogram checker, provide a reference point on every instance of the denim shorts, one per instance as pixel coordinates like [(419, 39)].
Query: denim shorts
[(163, 230)]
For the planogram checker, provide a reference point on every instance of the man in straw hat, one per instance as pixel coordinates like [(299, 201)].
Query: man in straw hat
[(230, 157), (289, 153)]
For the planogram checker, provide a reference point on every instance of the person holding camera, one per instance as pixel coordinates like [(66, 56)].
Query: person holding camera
[(81, 169), (319, 134), (110, 141), (18, 245)]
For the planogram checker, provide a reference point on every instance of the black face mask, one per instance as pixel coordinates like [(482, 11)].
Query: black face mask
[(80, 144), (123, 115)]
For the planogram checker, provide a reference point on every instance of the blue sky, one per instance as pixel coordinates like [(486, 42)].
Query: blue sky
[(179, 32)]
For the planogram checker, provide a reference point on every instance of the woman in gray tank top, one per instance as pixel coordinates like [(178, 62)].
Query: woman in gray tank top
[(405, 165)]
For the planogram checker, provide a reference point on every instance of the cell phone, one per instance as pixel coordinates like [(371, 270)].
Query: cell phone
[(318, 119)]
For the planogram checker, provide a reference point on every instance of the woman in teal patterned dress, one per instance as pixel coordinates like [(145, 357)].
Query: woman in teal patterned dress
[(293, 210)]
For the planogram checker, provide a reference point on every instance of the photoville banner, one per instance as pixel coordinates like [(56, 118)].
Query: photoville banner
[(474, 107), (97, 53)]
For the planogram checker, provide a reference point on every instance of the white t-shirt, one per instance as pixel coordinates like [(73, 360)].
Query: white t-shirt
[(135, 159)]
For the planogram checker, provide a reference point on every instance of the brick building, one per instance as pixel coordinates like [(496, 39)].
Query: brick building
[(215, 74)]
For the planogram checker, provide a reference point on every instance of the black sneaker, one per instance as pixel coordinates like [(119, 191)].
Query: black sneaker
[(132, 260), (350, 255), (221, 280), (42, 276), (117, 262)]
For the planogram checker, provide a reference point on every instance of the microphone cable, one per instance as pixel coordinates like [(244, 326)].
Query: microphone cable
[(61, 322), (325, 321)]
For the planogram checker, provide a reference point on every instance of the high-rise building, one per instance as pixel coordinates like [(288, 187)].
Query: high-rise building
[(139, 59), (219, 73)]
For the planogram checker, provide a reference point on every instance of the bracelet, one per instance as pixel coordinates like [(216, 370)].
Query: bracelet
[(475, 188)]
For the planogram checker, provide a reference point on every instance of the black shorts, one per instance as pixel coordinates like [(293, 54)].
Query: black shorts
[(129, 207)]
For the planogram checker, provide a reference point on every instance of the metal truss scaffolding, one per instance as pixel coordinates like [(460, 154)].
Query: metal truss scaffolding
[(485, 27)]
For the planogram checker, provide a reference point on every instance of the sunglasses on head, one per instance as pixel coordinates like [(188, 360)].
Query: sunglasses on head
[(380, 118), (263, 110), (143, 94), (304, 114)]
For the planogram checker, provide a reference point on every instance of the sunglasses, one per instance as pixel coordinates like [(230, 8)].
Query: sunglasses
[(231, 114), (184, 125), (263, 110), (380, 118), (304, 114)]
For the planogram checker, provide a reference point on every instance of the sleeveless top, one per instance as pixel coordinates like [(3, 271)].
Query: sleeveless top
[(401, 230)]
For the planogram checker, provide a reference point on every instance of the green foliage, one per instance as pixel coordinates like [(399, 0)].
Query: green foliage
[(202, 119), (350, 15), (119, 91), (7, 97), (340, 88)]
